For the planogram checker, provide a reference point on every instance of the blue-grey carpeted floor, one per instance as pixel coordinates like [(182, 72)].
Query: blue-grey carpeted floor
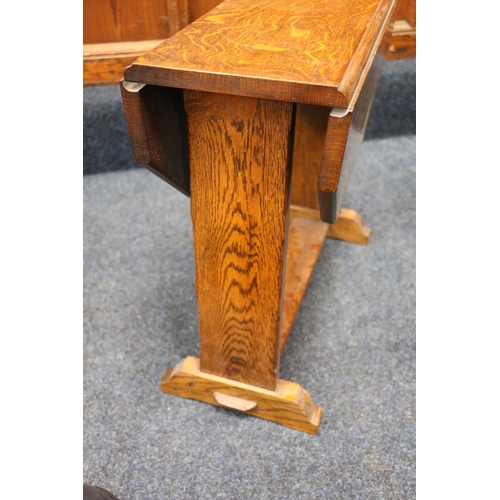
[(352, 346)]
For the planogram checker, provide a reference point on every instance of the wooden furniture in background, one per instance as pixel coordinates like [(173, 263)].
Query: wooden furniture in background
[(116, 32), (257, 105), (403, 41)]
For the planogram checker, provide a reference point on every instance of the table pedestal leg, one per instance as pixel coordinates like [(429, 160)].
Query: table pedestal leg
[(240, 152)]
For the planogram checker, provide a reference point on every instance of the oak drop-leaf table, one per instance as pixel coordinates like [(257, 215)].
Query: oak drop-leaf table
[(257, 111)]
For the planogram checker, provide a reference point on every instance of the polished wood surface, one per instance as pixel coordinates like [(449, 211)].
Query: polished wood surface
[(344, 135), (305, 241), (349, 226), (157, 127), (265, 90), (106, 62), (310, 132), (240, 159), (312, 52), (106, 21), (103, 26), (289, 405), (105, 70)]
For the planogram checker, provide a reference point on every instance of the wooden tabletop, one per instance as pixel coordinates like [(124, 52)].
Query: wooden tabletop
[(309, 51)]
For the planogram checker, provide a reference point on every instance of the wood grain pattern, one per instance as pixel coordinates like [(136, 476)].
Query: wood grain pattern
[(289, 405), (332, 164), (349, 226), (240, 159), (305, 241), (344, 135), (310, 132), (105, 63), (110, 67), (158, 131), (106, 21), (105, 70), (309, 51)]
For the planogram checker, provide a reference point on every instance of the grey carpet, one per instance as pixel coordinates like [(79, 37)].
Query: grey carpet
[(352, 347)]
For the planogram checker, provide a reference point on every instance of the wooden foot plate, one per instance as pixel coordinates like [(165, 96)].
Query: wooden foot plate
[(349, 226), (289, 405)]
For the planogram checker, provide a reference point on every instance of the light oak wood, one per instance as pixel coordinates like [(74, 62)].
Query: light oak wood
[(289, 405), (105, 71), (115, 29), (240, 160), (305, 241), (119, 49), (349, 226), (233, 402), (312, 52), (105, 63), (401, 28), (255, 76)]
